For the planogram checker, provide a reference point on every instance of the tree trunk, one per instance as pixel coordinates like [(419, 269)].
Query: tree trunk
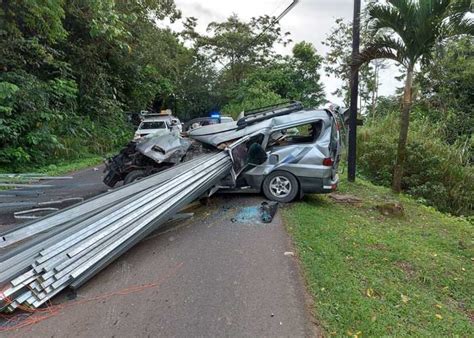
[(374, 91), (402, 139)]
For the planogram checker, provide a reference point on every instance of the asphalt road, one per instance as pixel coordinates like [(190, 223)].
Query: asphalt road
[(220, 273), (84, 183)]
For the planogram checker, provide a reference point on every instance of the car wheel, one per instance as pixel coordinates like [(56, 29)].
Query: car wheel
[(134, 176), (280, 186)]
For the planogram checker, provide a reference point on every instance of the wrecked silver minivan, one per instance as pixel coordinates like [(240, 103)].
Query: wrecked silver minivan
[(285, 151)]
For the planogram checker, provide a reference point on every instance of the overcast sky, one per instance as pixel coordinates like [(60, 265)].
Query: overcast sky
[(310, 20)]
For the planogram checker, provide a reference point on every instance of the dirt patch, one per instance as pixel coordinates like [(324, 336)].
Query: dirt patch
[(470, 315), (407, 268), (347, 199), (379, 246), (391, 209)]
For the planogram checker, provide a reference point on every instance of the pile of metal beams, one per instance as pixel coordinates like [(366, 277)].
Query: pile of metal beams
[(67, 248)]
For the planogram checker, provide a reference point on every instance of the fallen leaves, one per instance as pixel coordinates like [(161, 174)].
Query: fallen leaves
[(354, 335)]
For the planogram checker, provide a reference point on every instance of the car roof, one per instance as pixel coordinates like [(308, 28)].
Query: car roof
[(224, 132), (157, 118)]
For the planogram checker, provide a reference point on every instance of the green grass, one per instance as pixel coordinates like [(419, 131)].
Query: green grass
[(61, 167), (375, 275)]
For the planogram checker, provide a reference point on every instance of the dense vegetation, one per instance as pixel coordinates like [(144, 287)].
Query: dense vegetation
[(436, 156), (440, 149), (71, 70), (407, 32)]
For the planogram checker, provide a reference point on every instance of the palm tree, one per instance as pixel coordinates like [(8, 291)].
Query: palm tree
[(407, 31)]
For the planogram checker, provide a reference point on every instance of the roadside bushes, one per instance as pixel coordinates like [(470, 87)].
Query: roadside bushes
[(40, 123), (438, 173)]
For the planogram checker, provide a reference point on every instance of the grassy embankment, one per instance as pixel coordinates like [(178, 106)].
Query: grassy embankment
[(59, 168), (375, 275)]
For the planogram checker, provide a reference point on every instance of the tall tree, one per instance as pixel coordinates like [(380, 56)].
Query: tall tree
[(70, 68), (237, 47), (294, 77), (337, 62), (306, 80), (407, 31)]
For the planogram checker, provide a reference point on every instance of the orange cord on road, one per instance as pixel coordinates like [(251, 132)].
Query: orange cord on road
[(34, 316)]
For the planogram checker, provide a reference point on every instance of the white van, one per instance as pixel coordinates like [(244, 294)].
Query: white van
[(157, 125)]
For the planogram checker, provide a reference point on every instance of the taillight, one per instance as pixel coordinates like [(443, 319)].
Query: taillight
[(328, 161)]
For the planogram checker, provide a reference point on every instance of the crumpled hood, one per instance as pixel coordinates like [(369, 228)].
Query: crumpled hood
[(172, 147)]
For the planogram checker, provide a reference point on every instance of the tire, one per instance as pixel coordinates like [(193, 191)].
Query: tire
[(134, 176), (280, 186), (111, 179)]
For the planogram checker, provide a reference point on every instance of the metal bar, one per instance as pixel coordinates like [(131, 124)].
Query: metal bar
[(98, 238), (20, 185), (55, 219), (79, 281), (85, 240), (62, 282)]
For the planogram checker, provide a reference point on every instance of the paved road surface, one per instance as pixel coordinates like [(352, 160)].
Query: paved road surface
[(84, 183), (221, 273)]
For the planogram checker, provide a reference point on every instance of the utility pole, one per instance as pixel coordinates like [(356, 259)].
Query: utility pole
[(351, 156)]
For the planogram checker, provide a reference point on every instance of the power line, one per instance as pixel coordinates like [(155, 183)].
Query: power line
[(272, 23), (276, 20)]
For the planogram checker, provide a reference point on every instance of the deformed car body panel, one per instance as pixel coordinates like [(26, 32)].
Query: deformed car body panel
[(304, 160), (221, 133), (148, 155), (169, 148)]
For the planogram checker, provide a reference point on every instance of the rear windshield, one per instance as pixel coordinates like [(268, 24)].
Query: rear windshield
[(153, 125)]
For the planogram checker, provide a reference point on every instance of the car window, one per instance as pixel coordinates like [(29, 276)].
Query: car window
[(153, 125), (305, 133)]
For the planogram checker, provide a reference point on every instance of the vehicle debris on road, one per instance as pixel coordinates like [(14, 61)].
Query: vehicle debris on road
[(268, 211), (32, 213)]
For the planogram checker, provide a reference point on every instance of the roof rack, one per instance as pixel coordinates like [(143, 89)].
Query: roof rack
[(267, 112)]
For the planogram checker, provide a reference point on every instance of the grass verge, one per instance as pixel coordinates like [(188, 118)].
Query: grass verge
[(61, 167), (376, 275)]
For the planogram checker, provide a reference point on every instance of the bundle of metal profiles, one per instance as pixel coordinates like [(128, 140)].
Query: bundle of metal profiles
[(67, 248)]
